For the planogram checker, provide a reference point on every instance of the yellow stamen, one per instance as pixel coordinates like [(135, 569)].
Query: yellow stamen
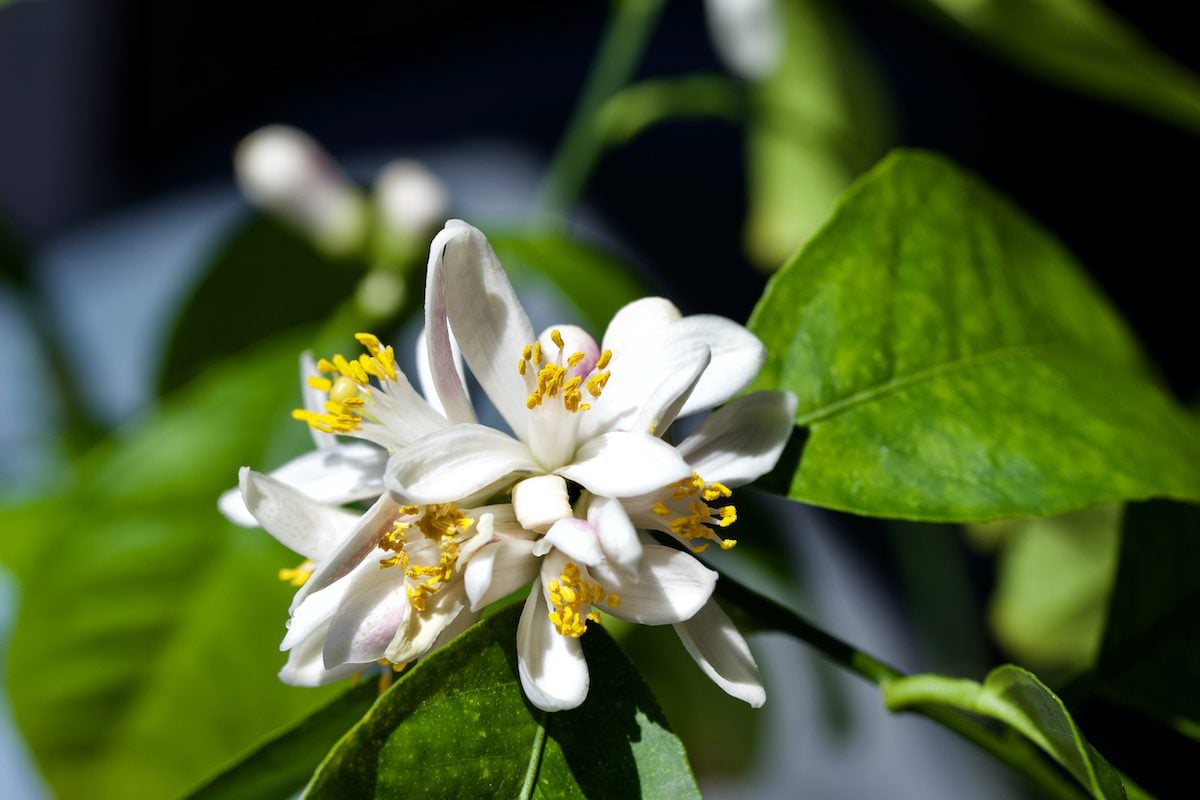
[(443, 523), (573, 598), (299, 574), (348, 385), (695, 525), (556, 337)]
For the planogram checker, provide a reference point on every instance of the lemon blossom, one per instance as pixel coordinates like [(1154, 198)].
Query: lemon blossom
[(586, 463)]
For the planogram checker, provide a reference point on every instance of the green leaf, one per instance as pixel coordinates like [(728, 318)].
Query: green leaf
[(1054, 579), (264, 278), (952, 363), (817, 121), (1150, 656), (1018, 699), (593, 281), (458, 725), (1083, 45), (145, 648), (282, 765)]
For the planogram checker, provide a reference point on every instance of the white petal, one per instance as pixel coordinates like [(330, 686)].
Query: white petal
[(574, 538), (367, 620), (334, 476), (713, 641), (306, 667), (441, 355), (552, 668), (352, 549), (316, 610), (425, 628), (541, 501), (454, 463), (621, 464), (636, 321), (742, 440), (487, 319), (314, 399), (498, 570), (429, 383), (463, 620), (664, 403), (671, 587), (403, 413), (299, 523), (618, 538), (737, 356)]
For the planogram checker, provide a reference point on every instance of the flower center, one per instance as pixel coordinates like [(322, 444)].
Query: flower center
[(691, 518), (347, 384), (573, 598), (427, 568), (558, 377)]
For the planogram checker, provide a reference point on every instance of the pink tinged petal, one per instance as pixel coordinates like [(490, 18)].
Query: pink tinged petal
[(743, 440), (498, 570), (487, 319), (316, 610), (441, 354), (713, 641), (306, 667), (633, 323), (541, 501), (425, 376), (314, 399), (333, 476), (449, 465), (368, 618), (425, 628), (737, 356), (671, 587), (298, 522), (620, 464), (552, 668), (575, 340), (353, 549), (618, 538), (574, 538)]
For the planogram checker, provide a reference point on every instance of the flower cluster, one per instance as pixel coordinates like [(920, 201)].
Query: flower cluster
[(587, 499)]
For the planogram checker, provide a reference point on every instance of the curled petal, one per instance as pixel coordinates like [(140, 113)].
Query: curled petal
[(620, 464), (353, 549), (574, 538), (647, 389), (429, 382), (552, 668), (498, 570), (368, 618), (316, 610), (298, 522), (713, 641), (441, 352), (671, 587), (454, 463), (742, 440), (737, 356), (618, 538), (306, 667), (423, 629)]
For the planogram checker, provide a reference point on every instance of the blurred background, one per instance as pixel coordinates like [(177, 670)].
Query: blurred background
[(133, 268)]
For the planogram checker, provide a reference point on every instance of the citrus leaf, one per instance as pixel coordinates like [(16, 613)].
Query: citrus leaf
[(952, 363), (1018, 699), (458, 725)]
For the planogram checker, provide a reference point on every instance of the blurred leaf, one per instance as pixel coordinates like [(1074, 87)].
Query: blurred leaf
[(1055, 577), (458, 725), (145, 646), (817, 121), (1018, 699), (263, 279), (1150, 656), (283, 764), (596, 283), (634, 109), (1083, 45), (952, 363)]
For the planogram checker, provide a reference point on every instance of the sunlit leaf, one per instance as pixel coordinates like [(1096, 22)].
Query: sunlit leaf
[(953, 363), (458, 725), (1082, 45), (1151, 651), (816, 122), (1018, 699)]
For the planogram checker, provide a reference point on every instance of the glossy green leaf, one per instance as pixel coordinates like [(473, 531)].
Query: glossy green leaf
[(1018, 699), (1150, 656), (263, 278), (145, 648), (593, 281), (282, 765), (458, 725), (1054, 579), (952, 363), (816, 122), (1082, 45)]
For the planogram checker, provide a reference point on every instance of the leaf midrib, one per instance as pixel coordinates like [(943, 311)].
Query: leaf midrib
[(974, 361)]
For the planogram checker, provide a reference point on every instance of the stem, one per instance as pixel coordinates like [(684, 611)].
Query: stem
[(625, 38), (765, 614), (535, 759)]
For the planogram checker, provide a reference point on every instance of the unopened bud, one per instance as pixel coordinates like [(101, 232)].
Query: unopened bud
[(413, 202)]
